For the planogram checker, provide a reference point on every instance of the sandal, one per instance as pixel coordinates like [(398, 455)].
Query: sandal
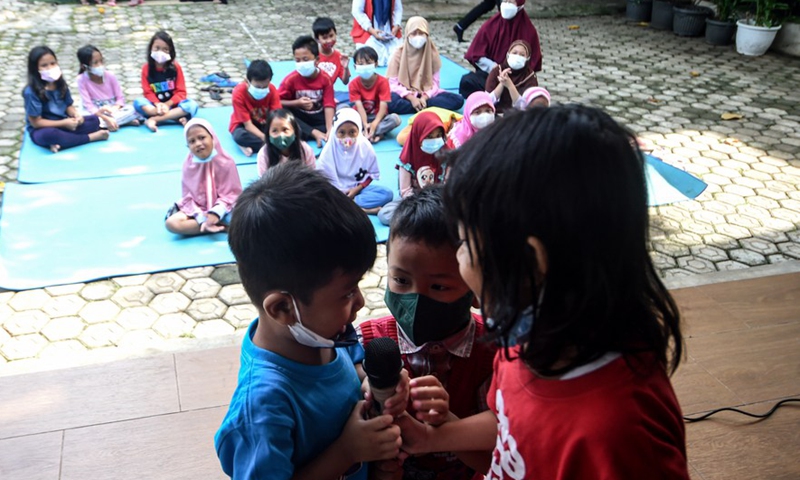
[(215, 93)]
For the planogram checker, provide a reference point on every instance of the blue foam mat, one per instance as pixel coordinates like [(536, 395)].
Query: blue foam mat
[(667, 184)]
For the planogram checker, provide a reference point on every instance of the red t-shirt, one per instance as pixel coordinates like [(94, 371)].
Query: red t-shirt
[(371, 98), (331, 65), (319, 89), (245, 107), (163, 85), (612, 423)]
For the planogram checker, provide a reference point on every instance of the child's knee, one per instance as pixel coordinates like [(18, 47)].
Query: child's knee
[(139, 105), (190, 107)]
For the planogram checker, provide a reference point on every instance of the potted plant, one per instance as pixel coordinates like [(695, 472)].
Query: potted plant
[(720, 30), (639, 10), (756, 33), (690, 20), (662, 13)]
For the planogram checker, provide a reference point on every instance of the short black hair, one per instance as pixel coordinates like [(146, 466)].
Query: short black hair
[(322, 25), (259, 70), (366, 53), (421, 218), (305, 41), (292, 230)]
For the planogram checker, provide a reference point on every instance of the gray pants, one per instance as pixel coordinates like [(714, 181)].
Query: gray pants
[(389, 123), (386, 212)]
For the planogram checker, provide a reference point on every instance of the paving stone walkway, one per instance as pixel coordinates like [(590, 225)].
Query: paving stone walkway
[(670, 90)]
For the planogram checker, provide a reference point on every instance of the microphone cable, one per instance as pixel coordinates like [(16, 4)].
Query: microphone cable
[(731, 409)]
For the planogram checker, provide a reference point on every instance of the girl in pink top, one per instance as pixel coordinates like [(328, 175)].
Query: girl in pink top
[(478, 113), (210, 184), (283, 142), (100, 92)]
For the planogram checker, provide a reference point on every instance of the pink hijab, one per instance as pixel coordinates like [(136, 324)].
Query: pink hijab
[(495, 36), (463, 130), (208, 184)]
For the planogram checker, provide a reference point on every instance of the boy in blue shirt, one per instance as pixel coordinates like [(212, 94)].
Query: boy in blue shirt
[(297, 410)]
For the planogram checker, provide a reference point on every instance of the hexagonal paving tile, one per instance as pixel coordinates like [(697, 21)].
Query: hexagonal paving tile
[(101, 335), (226, 275), (758, 245), (696, 265), (23, 346), (201, 288), (59, 290), (63, 328), (28, 321), (206, 309), (141, 340), (174, 325), (241, 315), (709, 252), (173, 302), (131, 280), (213, 328), (63, 350), (731, 265), (64, 306), (165, 282), (233, 295), (790, 249), (137, 318), (28, 300), (97, 312), (102, 290), (197, 272), (133, 296), (747, 257)]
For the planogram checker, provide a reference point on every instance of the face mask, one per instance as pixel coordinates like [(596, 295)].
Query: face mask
[(97, 71), (305, 69), (159, 56), (347, 142), (51, 74), (282, 142), (424, 319), (258, 93), (365, 71), (197, 159), (523, 325), (418, 41), (481, 120), (328, 46), (304, 336), (508, 10), (432, 145), (515, 61)]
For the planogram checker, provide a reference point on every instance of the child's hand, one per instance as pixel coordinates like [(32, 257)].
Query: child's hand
[(345, 60), (423, 100), (162, 108), (71, 123), (319, 137), (370, 440), (415, 102), (306, 103), (212, 225), (79, 118), (430, 399), (396, 30), (353, 192), (504, 77), (396, 404), (111, 124), (414, 434)]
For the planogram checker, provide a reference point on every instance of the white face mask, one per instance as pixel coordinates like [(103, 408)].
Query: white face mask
[(515, 61), (432, 145), (304, 336), (305, 69), (508, 10), (365, 71), (51, 74), (98, 71), (159, 56), (481, 120), (417, 41)]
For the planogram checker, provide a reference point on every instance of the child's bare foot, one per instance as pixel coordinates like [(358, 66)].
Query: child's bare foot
[(98, 135), (135, 123), (151, 124), (246, 150), (371, 211), (55, 148), (182, 120), (375, 139)]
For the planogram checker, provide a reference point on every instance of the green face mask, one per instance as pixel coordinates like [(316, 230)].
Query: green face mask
[(282, 142), (425, 320)]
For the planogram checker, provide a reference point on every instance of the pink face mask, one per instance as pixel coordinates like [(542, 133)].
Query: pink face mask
[(347, 142)]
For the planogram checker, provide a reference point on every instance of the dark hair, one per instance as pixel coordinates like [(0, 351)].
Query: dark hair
[(259, 70), (322, 25), (35, 80), (573, 178), (273, 152), (421, 218), (305, 41), (85, 57), (161, 35), (292, 230), (366, 53)]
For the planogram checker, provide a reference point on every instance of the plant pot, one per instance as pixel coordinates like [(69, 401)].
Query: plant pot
[(690, 21), (752, 40), (662, 15), (719, 33), (788, 39), (639, 10)]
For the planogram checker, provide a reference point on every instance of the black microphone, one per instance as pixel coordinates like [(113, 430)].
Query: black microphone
[(382, 364)]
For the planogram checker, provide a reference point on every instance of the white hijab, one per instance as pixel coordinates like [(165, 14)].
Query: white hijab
[(346, 168)]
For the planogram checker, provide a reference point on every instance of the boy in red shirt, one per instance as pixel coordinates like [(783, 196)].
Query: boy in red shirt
[(308, 93), (370, 95), (331, 60), (252, 102)]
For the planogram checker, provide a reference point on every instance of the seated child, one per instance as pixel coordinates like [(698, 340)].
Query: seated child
[(370, 95), (252, 102), (376, 24), (414, 73), (533, 97), (210, 184), (448, 118), (420, 162), (100, 92), (283, 143), (163, 86), (331, 60), (50, 116), (297, 410), (431, 321), (515, 74), (307, 93), (478, 114), (349, 162)]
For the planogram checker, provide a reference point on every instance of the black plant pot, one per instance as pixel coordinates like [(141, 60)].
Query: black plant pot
[(690, 21), (719, 33), (639, 10), (662, 15)]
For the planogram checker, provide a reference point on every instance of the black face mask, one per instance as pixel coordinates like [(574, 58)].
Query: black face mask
[(425, 320)]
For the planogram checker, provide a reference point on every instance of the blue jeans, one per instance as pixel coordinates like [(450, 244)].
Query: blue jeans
[(447, 100), (188, 106), (374, 196)]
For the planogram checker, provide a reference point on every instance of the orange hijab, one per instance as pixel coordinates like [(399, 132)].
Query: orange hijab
[(415, 68)]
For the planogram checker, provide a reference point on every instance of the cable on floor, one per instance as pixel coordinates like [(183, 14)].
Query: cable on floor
[(754, 415)]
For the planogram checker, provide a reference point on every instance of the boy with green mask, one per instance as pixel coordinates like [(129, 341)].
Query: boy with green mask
[(435, 329)]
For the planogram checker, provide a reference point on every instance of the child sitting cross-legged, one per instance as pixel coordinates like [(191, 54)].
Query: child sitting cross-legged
[(371, 95), (252, 103)]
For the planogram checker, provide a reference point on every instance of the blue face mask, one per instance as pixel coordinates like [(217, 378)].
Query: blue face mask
[(306, 69), (258, 93), (197, 159), (432, 145), (524, 324), (365, 71)]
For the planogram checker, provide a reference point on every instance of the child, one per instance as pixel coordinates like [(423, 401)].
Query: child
[(50, 116), (590, 334), (283, 143), (533, 97), (376, 24), (307, 94), (163, 85), (350, 163), (252, 102), (431, 321), (296, 410), (370, 95), (448, 118), (414, 73), (100, 92), (210, 184), (420, 151), (478, 114), (331, 60), (512, 76)]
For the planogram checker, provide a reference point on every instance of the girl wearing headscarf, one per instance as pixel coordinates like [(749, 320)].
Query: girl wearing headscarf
[(512, 77), (376, 24), (479, 112), (349, 162), (210, 184), (414, 73), (493, 40), (533, 97)]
